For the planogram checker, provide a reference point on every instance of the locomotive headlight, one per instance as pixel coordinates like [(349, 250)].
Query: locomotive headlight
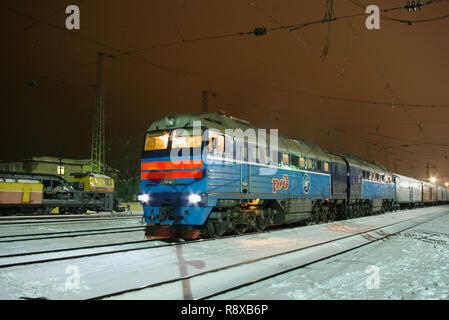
[(194, 198), (144, 198)]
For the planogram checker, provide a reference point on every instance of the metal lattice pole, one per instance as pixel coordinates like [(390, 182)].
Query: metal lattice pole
[(98, 137)]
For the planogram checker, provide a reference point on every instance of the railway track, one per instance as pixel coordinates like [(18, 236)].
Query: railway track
[(35, 256), (53, 220), (66, 234), (229, 275), (225, 274)]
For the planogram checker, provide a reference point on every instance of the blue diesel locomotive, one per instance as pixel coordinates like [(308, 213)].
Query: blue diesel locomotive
[(215, 174)]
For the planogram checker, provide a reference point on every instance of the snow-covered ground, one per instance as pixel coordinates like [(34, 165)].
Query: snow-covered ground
[(403, 263), (411, 265)]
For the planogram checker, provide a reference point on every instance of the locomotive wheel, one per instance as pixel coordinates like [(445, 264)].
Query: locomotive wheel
[(260, 224), (238, 227), (323, 213), (215, 229), (317, 213), (332, 213)]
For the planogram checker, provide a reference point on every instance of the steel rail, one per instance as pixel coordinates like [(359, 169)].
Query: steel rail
[(68, 232), (78, 234), (254, 260)]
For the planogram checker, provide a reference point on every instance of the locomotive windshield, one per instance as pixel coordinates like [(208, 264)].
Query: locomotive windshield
[(185, 139), (178, 139), (157, 140)]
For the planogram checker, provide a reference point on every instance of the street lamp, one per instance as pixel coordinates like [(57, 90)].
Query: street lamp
[(433, 179)]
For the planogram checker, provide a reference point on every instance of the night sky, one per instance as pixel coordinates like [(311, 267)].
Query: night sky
[(158, 71)]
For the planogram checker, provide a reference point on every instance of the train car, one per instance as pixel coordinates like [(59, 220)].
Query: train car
[(44, 192), (442, 195), (409, 192), (230, 184), (96, 182), (371, 187), (430, 193), (213, 173), (20, 193), (434, 194), (447, 194)]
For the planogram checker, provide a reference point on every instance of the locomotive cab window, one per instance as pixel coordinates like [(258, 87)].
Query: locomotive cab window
[(183, 138), (157, 140)]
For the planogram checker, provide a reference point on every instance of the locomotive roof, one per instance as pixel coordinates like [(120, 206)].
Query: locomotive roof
[(406, 178), (34, 176), (90, 174), (370, 166), (221, 123)]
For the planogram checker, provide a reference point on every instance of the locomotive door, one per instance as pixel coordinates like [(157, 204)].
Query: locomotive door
[(245, 169)]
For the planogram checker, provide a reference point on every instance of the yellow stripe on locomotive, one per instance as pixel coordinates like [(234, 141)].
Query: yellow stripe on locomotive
[(21, 192), (94, 182)]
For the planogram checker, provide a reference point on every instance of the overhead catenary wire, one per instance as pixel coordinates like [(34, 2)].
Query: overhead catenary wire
[(119, 51), (61, 28), (54, 13), (408, 21)]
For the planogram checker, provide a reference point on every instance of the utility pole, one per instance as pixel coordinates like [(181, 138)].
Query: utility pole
[(368, 151), (336, 140), (387, 164), (98, 132), (205, 105), (428, 167)]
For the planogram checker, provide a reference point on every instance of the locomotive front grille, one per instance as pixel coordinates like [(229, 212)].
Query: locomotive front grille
[(166, 213)]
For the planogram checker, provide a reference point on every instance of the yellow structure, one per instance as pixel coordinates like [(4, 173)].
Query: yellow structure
[(94, 181), (21, 192)]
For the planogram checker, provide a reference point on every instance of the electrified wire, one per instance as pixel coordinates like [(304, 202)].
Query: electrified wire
[(49, 16)]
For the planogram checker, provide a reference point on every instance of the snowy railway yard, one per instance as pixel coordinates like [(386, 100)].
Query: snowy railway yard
[(398, 255)]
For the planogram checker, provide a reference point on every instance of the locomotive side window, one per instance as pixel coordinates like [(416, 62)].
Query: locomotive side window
[(319, 165), (326, 167), (280, 155), (302, 162), (285, 159), (156, 141), (366, 175), (295, 160), (310, 164), (216, 142)]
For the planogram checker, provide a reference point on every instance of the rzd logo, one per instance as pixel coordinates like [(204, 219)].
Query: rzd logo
[(279, 184)]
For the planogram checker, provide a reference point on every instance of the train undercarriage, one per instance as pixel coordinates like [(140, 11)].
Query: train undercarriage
[(239, 217)]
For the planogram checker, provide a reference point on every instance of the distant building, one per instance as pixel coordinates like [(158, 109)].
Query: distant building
[(51, 165)]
